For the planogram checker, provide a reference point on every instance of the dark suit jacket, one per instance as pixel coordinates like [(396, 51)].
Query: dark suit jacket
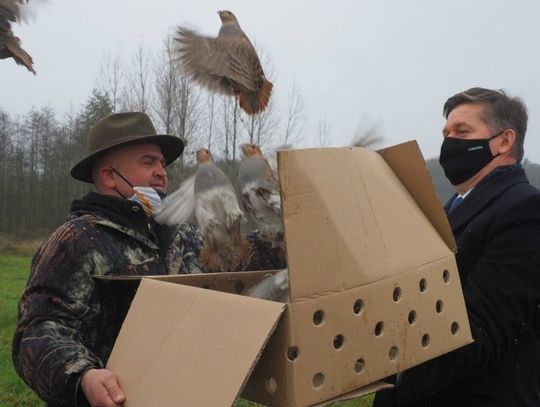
[(497, 230)]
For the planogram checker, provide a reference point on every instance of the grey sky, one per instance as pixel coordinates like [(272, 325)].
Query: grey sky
[(388, 61)]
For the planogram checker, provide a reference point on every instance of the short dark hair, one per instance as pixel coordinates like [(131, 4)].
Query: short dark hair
[(501, 112)]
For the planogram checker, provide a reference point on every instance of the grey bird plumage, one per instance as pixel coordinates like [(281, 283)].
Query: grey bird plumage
[(275, 287), (220, 218), (10, 45), (227, 64), (259, 191)]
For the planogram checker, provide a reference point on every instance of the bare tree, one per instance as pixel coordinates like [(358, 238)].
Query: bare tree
[(110, 79), (324, 132), (138, 93), (166, 85), (210, 103), (294, 120)]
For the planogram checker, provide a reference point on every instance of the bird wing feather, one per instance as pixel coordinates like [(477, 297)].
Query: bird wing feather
[(244, 65), (179, 206), (10, 45), (205, 59), (222, 64)]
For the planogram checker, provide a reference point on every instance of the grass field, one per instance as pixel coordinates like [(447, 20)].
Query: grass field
[(14, 266)]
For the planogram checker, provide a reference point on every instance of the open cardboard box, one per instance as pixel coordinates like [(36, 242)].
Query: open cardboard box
[(374, 290)]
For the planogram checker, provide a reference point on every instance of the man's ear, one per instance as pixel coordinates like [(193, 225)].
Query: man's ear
[(106, 177), (508, 139)]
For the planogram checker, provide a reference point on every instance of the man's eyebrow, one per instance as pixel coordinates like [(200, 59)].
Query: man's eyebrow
[(446, 128), (151, 156)]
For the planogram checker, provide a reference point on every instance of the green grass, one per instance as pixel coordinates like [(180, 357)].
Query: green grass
[(13, 274), (13, 391)]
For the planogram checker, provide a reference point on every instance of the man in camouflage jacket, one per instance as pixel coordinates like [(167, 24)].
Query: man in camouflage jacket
[(68, 319)]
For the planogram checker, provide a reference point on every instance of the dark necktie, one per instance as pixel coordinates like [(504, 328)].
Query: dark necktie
[(455, 203)]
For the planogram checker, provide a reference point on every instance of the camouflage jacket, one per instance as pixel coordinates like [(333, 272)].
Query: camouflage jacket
[(68, 320)]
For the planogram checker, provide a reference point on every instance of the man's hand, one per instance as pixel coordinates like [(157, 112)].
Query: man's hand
[(100, 386)]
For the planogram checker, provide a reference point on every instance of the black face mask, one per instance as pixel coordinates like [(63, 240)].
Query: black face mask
[(462, 158)]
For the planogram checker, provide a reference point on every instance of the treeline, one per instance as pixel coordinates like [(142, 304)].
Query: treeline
[(38, 149), (445, 190)]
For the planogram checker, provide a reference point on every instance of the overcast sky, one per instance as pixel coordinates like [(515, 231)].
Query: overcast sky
[(355, 62)]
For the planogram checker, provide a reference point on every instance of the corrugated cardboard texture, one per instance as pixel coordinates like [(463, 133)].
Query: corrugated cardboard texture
[(232, 282), (185, 346), (336, 343), (375, 290), (349, 221), (375, 287), (412, 173)]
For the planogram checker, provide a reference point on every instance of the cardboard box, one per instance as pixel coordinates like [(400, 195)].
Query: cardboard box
[(374, 290)]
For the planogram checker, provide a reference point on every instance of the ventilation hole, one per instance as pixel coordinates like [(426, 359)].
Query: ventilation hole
[(338, 341), (425, 340), (393, 353), (439, 306), (359, 365), (358, 307), (412, 317), (454, 328), (271, 385), (318, 380), (396, 294), (239, 287), (379, 327), (292, 353), (318, 317), (446, 276), (423, 285)]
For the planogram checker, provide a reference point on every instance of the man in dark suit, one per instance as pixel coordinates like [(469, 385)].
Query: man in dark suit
[(495, 218)]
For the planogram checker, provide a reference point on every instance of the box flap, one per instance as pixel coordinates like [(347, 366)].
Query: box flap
[(232, 282), (181, 345), (349, 220), (408, 164)]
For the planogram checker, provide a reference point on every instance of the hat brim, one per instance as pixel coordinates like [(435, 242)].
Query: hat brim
[(171, 148)]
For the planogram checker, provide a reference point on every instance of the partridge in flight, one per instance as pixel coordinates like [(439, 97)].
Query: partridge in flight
[(227, 64), (10, 45)]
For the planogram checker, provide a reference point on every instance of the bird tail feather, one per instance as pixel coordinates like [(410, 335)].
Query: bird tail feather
[(210, 259), (19, 54), (253, 103), (245, 251)]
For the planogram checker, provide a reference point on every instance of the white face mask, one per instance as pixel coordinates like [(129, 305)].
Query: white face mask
[(150, 199)]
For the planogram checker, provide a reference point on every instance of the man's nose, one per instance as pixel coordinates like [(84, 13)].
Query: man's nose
[(160, 170)]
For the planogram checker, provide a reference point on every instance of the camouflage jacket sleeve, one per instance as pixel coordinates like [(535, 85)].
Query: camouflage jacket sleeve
[(50, 349), (263, 256)]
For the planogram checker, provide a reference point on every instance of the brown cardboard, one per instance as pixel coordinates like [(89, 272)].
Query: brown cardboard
[(374, 291), (185, 346), (379, 253)]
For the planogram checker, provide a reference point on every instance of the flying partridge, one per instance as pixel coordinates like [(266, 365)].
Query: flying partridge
[(227, 64), (10, 45)]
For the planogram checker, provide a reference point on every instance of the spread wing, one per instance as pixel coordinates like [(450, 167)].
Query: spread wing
[(220, 220), (222, 64), (179, 206), (10, 45), (205, 59)]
